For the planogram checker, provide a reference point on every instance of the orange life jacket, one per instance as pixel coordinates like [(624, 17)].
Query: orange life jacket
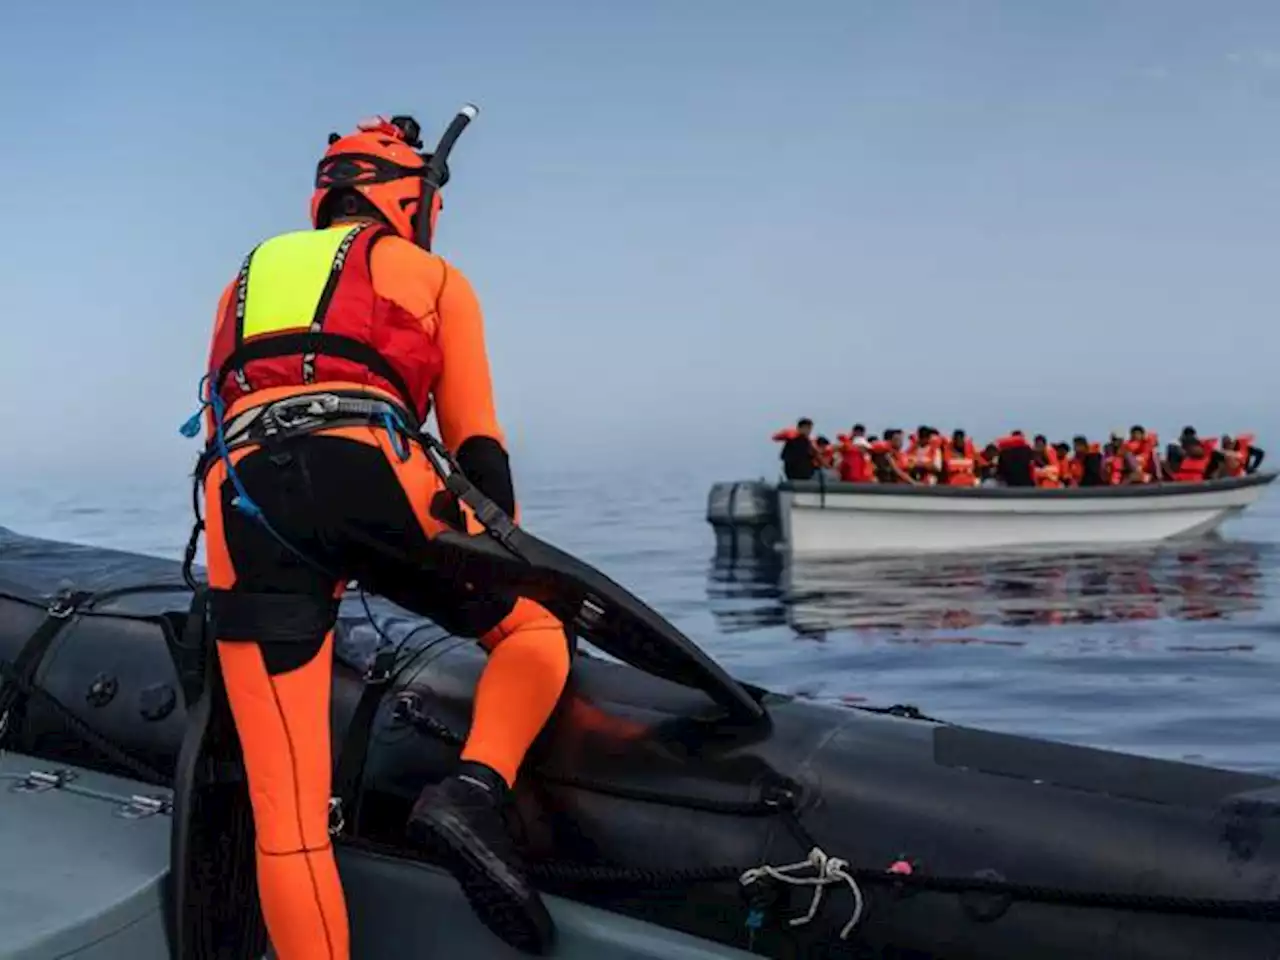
[(1073, 471), (1238, 459), (855, 464), (1049, 474), (961, 468), (1192, 469), (1117, 468), (926, 458), (354, 336), (1138, 450)]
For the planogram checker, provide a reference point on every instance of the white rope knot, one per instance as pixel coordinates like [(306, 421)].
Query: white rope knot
[(829, 870)]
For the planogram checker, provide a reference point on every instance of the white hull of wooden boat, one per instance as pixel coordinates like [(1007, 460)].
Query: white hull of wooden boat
[(838, 519)]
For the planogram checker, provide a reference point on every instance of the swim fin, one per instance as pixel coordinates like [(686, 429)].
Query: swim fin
[(598, 609), (214, 911), (584, 599)]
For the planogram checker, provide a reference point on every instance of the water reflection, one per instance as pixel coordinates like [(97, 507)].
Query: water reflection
[(1209, 580)]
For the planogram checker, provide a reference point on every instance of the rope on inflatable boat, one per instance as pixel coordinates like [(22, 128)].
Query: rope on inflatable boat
[(833, 870)]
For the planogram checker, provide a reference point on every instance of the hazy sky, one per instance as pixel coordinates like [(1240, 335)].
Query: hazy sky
[(690, 217)]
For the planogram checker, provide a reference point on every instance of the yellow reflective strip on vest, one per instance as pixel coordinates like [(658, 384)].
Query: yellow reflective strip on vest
[(287, 277)]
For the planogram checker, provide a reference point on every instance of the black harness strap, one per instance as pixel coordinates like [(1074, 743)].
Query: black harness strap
[(349, 775), (13, 699), (248, 617), (327, 344)]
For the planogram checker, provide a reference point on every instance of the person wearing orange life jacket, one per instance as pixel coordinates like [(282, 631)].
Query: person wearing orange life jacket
[(924, 457), (1144, 447), (825, 453), (1193, 459), (329, 348), (988, 464), (855, 456), (890, 460), (1198, 462), (1046, 470), (1087, 463), (1015, 461), (960, 461), (1063, 452), (1122, 465), (1241, 455), (799, 453)]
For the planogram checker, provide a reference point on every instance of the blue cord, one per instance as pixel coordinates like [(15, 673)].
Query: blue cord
[(241, 501), (397, 442)]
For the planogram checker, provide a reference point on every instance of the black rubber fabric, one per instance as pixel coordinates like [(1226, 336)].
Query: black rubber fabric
[(340, 503)]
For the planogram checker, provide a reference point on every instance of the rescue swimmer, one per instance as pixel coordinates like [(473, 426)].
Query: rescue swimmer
[(329, 349)]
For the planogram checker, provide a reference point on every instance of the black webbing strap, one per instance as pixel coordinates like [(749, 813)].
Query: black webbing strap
[(349, 775), (61, 611), (323, 344)]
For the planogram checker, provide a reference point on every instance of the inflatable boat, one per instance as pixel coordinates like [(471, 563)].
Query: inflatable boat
[(659, 825), (825, 519)]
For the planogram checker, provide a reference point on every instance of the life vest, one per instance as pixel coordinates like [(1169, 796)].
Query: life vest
[(1238, 459), (304, 311), (1144, 453), (1117, 468), (785, 434), (1192, 469), (962, 467), (1010, 441), (855, 463), (883, 457), (925, 460), (1049, 473), (1073, 471)]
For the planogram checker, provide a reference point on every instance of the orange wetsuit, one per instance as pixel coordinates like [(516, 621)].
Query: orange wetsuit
[(367, 509)]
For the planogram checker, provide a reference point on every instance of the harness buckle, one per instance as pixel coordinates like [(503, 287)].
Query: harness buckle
[(62, 606), (337, 820), (379, 671), (299, 413)]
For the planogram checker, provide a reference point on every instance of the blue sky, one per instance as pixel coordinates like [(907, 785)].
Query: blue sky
[(688, 222)]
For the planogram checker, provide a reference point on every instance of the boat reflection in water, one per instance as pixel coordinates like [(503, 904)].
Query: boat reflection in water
[(1210, 580)]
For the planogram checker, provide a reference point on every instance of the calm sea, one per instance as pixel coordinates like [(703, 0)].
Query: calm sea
[(1171, 651)]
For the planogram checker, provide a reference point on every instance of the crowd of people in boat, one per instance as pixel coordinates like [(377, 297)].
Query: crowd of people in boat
[(929, 457)]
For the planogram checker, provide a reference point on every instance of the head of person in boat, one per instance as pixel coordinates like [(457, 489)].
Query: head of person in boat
[(858, 436)]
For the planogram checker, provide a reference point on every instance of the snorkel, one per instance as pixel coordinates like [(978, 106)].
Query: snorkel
[(436, 174)]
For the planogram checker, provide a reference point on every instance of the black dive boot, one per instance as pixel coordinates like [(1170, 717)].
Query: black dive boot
[(458, 821)]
